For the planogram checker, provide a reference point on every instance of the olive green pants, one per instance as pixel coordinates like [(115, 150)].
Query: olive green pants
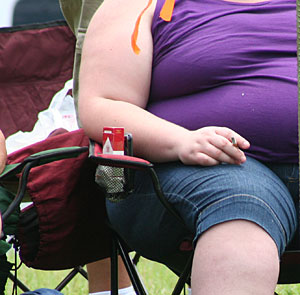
[(78, 14)]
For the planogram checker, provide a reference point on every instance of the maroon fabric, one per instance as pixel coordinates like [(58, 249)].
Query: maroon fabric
[(35, 62), (70, 206)]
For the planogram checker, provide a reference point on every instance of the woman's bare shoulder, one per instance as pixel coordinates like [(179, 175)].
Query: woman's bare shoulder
[(114, 11), (115, 22), (108, 55)]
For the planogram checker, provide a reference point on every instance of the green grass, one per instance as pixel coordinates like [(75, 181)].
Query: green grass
[(157, 278)]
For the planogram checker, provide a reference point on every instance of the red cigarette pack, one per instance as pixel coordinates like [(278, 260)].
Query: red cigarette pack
[(113, 140)]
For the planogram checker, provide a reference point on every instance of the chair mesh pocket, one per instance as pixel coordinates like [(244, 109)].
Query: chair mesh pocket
[(112, 180)]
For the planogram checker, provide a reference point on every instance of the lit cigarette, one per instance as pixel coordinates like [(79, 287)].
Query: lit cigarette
[(234, 143)]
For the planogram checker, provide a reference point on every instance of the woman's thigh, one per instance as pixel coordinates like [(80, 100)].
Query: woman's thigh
[(203, 197)]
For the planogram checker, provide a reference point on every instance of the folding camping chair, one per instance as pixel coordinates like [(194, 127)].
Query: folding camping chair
[(65, 226), (28, 83)]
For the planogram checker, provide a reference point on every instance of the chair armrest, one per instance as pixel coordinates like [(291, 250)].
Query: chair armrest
[(130, 162), (42, 158), (34, 160), (122, 161)]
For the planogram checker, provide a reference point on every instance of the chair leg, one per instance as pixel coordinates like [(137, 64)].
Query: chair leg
[(130, 266), (18, 283), (133, 274), (70, 276), (59, 287), (136, 258), (114, 267), (185, 275)]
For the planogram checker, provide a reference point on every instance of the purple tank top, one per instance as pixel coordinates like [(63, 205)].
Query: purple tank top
[(220, 63)]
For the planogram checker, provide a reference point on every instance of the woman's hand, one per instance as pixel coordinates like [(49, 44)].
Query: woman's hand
[(210, 146), (3, 153)]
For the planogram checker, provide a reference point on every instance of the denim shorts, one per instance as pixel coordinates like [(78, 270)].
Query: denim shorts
[(266, 194)]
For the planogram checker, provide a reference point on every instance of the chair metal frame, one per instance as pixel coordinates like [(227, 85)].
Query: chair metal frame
[(118, 246)]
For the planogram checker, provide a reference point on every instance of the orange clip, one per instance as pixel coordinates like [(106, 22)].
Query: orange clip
[(167, 10)]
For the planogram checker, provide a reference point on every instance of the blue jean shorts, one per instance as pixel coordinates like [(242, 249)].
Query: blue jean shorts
[(266, 194)]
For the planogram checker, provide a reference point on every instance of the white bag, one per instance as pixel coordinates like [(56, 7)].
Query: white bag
[(60, 114)]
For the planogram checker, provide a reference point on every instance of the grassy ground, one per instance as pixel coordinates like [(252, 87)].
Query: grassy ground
[(157, 279)]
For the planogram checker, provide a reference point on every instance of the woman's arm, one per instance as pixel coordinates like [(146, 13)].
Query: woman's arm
[(3, 154), (114, 87)]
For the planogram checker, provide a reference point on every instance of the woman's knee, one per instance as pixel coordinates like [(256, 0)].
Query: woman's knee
[(238, 257), (239, 244)]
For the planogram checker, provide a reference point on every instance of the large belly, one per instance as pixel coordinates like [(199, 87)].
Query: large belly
[(264, 112)]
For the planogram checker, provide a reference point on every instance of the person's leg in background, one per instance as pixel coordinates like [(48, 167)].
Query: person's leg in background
[(99, 278)]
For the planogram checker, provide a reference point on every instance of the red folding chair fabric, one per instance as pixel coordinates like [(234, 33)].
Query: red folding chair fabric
[(35, 63), (70, 208)]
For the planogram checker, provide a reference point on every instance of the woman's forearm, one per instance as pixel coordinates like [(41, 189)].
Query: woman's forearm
[(158, 140), (154, 138)]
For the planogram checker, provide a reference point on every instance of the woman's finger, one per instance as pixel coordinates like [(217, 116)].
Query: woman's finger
[(205, 160), (241, 142), (222, 150)]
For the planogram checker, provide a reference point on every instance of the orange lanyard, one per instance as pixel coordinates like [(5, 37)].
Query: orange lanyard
[(165, 13)]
